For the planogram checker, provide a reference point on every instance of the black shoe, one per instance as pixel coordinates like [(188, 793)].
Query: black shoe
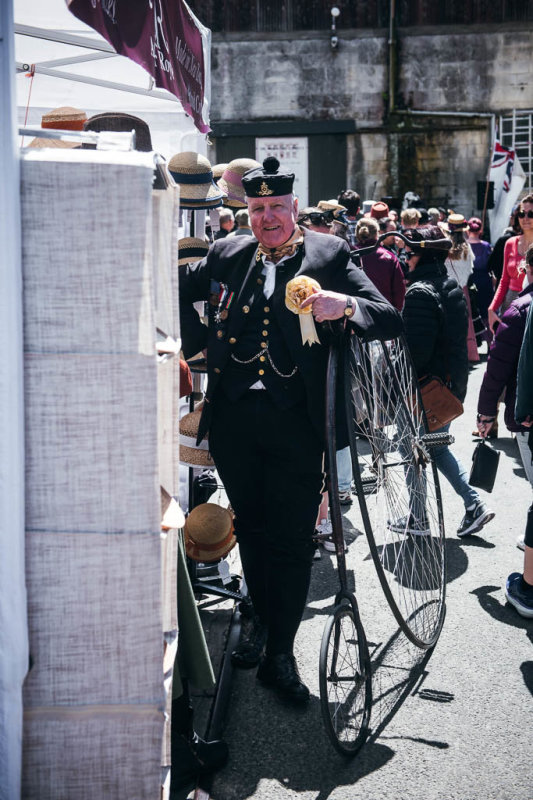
[(192, 757), (281, 673), (248, 653)]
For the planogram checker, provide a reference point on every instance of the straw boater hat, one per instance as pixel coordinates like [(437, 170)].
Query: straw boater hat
[(191, 249), (64, 118), (455, 222), (330, 205), (190, 453), (171, 514), (231, 181), (193, 174), (121, 123), (209, 533), (218, 171)]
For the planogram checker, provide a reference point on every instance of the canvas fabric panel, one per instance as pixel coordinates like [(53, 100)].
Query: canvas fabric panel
[(91, 443), (86, 252), (93, 752), (94, 619)]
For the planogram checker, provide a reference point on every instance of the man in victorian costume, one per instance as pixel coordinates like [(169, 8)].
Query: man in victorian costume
[(265, 401)]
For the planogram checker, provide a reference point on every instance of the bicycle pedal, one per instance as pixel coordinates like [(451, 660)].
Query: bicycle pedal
[(369, 484), (437, 439)]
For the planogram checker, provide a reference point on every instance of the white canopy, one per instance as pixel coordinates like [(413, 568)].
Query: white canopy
[(69, 72)]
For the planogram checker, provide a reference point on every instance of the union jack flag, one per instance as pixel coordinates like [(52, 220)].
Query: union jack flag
[(502, 157)]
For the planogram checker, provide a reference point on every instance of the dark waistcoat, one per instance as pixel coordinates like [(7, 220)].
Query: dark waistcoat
[(262, 344)]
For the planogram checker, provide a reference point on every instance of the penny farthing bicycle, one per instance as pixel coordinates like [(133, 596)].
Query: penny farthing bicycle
[(400, 510)]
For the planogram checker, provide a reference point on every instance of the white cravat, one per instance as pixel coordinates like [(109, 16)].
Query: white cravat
[(269, 271)]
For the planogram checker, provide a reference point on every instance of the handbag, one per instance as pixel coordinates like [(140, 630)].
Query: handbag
[(440, 404), (485, 461)]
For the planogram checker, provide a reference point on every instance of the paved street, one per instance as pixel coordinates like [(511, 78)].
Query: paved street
[(450, 725)]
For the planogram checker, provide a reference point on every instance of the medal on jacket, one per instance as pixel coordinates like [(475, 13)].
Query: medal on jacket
[(225, 299), (296, 291)]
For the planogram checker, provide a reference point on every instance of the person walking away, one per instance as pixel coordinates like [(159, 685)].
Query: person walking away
[(436, 324), (459, 264), (483, 279), (381, 266)]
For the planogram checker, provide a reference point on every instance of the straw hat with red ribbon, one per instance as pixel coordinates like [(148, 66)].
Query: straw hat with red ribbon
[(209, 533), (64, 118)]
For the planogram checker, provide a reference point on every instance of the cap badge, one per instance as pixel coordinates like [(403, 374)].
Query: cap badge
[(264, 190)]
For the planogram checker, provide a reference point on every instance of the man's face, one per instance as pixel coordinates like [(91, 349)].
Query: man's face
[(273, 219), (228, 224)]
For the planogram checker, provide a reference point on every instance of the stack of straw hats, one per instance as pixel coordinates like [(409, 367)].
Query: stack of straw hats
[(191, 454), (64, 118), (209, 533), (191, 249), (231, 181), (193, 174)]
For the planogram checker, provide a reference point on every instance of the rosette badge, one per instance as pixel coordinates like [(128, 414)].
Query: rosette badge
[(296, 291)]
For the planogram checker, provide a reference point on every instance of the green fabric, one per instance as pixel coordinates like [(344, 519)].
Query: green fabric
[(192, 660), (524, 391)]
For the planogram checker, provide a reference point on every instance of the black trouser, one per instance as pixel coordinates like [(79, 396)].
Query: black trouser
[(271, 464)]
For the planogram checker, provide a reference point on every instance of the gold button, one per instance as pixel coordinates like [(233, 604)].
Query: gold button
[(216, 370), (245, 309), (220, 334), (266, 322), (261, 372), (260, 281), (263, 345), (262, 358), (264, 333), (232, 340), (266, 309)]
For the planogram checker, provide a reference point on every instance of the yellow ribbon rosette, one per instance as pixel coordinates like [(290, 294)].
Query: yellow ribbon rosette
[(296, 291)]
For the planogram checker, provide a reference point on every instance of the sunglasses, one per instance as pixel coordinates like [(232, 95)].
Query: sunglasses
[(317, 219), (528, 214)]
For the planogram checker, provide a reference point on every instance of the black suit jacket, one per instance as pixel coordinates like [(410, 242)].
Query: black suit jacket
[(232, 261)]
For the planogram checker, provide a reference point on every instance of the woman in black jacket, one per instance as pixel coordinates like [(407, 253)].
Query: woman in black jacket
[(436, 324)]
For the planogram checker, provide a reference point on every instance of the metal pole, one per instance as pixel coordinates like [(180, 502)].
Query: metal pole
[(392, 56), (13, 614)]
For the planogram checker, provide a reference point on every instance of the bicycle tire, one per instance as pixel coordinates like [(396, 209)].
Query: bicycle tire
[(345, 677), (397, 483)]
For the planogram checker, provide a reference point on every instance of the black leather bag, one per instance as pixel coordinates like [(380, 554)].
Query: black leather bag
[(485, 460)]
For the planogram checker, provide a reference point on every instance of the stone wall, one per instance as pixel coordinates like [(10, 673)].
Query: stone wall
[(464, 74)]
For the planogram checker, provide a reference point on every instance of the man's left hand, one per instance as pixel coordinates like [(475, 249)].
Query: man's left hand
[(326, 305)]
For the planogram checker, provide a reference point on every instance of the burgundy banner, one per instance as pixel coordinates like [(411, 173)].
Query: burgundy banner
[(160, 35)]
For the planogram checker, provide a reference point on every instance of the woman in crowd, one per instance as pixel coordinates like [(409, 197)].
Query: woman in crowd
[(481, 277), (381, 266), (459, 265), (502, 366), (436, 324), (513, 254)]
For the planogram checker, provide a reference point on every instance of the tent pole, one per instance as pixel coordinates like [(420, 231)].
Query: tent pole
[(13, 614)]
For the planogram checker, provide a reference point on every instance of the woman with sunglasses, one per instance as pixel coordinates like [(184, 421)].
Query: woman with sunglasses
[(512, 279)]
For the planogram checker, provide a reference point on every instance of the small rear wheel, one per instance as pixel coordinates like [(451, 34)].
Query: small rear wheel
[(345, 680)]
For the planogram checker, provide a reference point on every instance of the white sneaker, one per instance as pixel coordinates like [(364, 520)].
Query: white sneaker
[(521, 541)]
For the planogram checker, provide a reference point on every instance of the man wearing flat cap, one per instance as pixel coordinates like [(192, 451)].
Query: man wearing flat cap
[(265, 400)]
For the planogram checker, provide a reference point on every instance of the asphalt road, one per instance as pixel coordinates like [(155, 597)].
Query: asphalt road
[(452, 724)]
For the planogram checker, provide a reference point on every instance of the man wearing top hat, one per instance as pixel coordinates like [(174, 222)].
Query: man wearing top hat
[(265, 400)]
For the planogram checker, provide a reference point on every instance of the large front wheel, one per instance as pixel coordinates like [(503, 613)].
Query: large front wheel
[(397, 483), (345, 679)]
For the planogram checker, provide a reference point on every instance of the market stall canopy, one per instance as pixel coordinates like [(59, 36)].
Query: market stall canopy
[(62, 61)]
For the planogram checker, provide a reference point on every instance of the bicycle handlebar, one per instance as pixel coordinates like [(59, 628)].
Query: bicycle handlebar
[(426, 244)]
